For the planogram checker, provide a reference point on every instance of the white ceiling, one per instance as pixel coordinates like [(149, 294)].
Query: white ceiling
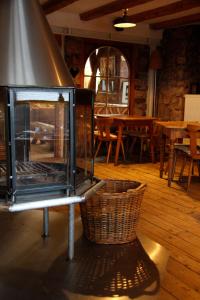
[(85, 5), (81, 6), (69, 17)]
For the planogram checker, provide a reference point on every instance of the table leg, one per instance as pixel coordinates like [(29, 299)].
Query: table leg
[(119, 138), (162, 153), (170, 162)]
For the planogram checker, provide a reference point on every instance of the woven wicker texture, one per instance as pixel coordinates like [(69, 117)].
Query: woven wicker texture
[(110, 216)]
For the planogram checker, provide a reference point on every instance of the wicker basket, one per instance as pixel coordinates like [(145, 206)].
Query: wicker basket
[(110, 216)]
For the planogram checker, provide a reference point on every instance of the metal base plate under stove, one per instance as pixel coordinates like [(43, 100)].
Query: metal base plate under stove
[(37, 269)]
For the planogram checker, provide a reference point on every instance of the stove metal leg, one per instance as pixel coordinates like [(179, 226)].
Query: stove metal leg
[(71, 232), (45, 222)]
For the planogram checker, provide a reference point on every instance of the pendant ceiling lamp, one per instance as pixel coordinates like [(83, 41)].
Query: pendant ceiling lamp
[(124, 21)]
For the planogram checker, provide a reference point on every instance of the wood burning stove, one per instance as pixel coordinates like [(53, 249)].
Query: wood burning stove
[(46, 125), (46, 145), (46, 150)]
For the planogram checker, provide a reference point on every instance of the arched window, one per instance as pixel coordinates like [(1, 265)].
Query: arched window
[(106, 72)]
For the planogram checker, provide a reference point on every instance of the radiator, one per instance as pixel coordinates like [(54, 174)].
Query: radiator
[(192, 108)]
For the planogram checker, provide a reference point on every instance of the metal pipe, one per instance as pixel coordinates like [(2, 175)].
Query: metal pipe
[(45, 203), (71, 232), (51, 202), (56, 202), (45, 222)]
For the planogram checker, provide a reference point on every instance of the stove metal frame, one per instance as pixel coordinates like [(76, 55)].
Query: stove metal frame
[(72, 194)]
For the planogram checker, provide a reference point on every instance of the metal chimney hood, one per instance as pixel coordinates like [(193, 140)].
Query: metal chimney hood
[(29, 55)]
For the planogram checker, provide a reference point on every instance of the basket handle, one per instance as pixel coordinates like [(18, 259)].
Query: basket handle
[(93, 190), (139, 188)]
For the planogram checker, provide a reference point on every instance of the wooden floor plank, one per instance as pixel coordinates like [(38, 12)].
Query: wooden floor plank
[(184, 222), (171, 217), (187, 276), (176, 252), (178, 242), (179, 289), (165, 295)]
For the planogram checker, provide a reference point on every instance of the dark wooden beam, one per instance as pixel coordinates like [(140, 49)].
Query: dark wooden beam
[(53, 5), (110, 8), (176, 22), (165, 10)]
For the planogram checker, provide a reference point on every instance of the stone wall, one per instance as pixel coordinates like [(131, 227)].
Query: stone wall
[(180, 71), (141, 80)]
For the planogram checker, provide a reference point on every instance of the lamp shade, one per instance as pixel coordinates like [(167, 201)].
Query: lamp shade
[(123, 22)]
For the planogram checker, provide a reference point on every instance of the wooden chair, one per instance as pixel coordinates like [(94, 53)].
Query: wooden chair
[(147, 139), (103, 126), (191, 153)]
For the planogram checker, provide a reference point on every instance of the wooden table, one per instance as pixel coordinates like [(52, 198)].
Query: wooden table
[(173, 130), (130, 120)]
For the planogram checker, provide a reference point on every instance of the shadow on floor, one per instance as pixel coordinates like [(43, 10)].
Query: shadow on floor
[(32, 268), (105, 271), (21, 284)]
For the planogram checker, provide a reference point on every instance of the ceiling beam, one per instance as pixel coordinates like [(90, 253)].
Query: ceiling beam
[(110, 8), (176, 22), (165, 10), (53, 5)]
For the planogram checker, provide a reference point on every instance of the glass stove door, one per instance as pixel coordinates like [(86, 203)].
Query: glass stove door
[(84, 141), (41, 141)]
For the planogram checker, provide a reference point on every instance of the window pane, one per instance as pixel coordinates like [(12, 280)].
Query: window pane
[(124, 91), (123, 67), (106, 70), (88, 70), (102, 89)]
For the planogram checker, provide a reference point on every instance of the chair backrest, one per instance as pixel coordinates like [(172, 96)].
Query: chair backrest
[(104, 125), (194, 134)]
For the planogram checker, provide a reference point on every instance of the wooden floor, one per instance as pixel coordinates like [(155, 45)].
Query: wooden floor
[(170, 217)]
